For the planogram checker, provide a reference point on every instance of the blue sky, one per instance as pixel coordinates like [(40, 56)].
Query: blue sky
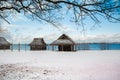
[(23, 30)]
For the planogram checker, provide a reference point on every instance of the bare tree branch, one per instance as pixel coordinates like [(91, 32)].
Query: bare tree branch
[(50, 10)]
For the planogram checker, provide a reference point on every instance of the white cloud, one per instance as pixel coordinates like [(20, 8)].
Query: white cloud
[(4, 32), (23, 34), (102, 38)]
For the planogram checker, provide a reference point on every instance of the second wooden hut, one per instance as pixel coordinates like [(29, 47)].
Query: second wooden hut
[(38, 44)]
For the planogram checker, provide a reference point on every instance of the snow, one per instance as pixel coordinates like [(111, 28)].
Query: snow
[(62, 41), (54, 65)]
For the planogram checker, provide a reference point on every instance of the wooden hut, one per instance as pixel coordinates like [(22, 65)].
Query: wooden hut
[(64, 43), (4, 44), (38, 44)]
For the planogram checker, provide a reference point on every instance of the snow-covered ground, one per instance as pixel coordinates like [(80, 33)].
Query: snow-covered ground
[(49, 65)]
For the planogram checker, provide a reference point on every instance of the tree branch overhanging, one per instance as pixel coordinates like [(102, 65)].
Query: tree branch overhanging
[(49, 10)]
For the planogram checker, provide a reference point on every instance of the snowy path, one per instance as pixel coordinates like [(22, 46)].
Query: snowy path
[(48, 65)]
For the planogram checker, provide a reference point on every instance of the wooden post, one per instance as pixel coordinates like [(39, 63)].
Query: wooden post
[(12, 47), (71, 48), (75, 49), (19, 47), (47, 47), (62, 47), (25, 46), (53, 48)]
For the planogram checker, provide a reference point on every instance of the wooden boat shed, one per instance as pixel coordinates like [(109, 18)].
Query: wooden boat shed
[(64, 43), (38, 44), (4, 44)]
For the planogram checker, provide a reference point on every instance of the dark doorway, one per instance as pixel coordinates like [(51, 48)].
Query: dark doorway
[(65, 48)]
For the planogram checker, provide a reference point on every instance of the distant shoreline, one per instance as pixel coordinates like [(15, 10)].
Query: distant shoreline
[(85, 46)]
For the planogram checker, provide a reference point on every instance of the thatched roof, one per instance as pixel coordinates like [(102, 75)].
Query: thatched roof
[(63, 39), (38, 41), (3, 41)]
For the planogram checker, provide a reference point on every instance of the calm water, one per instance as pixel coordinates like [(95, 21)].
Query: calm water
[(92, 46)]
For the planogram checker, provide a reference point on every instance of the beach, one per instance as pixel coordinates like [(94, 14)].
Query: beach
[(59, 65)]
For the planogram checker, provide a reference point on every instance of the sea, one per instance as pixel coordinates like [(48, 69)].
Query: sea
[(90, 46)]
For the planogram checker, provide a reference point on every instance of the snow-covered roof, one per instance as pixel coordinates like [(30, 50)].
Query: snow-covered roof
[(63, 39), (3, 41), (60, 41), (38, 41)]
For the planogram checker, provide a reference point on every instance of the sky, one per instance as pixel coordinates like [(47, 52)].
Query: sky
[(23, 30)]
